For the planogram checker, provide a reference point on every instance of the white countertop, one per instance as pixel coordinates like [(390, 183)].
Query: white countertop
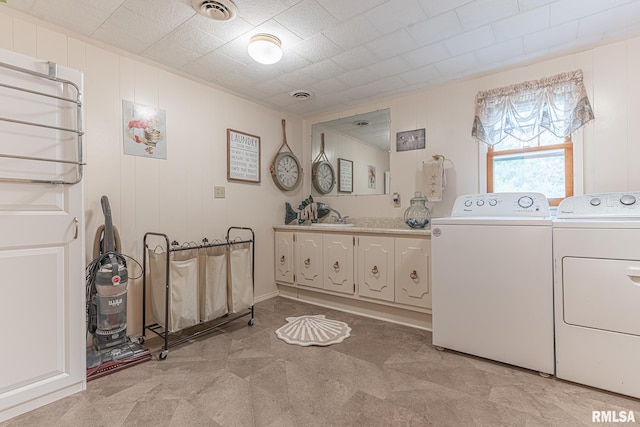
[(356, 229)]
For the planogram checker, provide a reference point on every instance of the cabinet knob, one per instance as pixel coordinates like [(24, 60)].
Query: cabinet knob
[(414, 275), (307, 262), (336, 266), (374, 270), (282, 259)]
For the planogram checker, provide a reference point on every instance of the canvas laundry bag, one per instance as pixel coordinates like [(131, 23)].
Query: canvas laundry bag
[(183, 292), (213, 282), (240, 277)]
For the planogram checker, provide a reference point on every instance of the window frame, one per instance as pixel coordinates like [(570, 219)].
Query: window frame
[(566, 146)]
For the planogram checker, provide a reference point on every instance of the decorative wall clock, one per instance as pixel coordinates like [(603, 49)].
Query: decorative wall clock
[(285, 168), (323, 175)]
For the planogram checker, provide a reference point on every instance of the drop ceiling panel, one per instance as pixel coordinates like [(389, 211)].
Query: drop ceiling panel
[(345, 52)]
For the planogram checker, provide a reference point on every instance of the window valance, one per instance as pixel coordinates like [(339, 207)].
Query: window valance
[(558, 104)]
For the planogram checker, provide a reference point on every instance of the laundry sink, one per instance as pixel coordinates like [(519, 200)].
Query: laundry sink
[(331, 224)]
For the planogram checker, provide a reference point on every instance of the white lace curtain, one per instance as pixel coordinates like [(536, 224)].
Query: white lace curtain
[(557, 104)]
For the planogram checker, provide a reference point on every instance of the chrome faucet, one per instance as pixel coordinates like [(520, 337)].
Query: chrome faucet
[(339, 219)]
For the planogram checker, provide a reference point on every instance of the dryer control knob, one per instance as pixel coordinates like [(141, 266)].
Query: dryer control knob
[(595, 201), (480, 202), (525, 202), (493, 202), (468, 203), (627, 200)]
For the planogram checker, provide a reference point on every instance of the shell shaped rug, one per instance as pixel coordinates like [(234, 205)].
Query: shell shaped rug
[(313, 330)]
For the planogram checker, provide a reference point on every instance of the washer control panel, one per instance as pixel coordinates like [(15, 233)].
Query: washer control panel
[(604, 205), (501, 205)]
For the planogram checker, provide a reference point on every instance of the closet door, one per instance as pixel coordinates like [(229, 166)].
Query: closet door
[(42, 308)]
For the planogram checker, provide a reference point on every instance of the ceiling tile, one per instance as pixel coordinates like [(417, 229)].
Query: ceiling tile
[(23, 5), (316, 48), (427, 55), (436, 7), (358, 77), (326, 69), (168, 12), (524, 23), (81, 17), (203, 66), (256, 12), (453, 66), (171, 54), (193, 39), (352, 33), (124, 39), (345, 10), (622, 16), (390, 67), (306, 19), (500, 52), (551, 36), (394, 15), (298, 79), (568, 10), (482, 12), (226, 31), (420, 75), (328, 86), (532, 4), (392, 44), (436, 29), (355, 58), (469, 41)]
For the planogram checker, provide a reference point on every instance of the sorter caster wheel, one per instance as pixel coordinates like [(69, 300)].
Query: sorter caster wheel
[(163, 355), (544, 375), (251, 322), (141, 340), (440, 348)]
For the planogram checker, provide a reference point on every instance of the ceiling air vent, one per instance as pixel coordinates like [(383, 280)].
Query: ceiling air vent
[(301, 95), (218, 10), (361, 123)]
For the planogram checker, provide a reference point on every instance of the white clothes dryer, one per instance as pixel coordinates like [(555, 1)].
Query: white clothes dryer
[(596, 246), (492, 275)]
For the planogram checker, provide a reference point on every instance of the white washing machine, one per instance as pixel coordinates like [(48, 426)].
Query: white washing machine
[(596, 244), (492, 273)]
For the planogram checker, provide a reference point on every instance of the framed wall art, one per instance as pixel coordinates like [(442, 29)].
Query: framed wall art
[(345, 176), (411, 140), (243, 156), (144, 130), (371, 176)]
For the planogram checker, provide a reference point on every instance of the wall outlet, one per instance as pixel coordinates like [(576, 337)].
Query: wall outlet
[(218, 192)]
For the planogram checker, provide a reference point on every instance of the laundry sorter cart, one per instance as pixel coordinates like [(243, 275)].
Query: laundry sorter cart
[(199, 286)]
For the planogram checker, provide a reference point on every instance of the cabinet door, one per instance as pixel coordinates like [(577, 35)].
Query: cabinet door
[(284, 257), (412, 274), (375, 267), (338, 263), (308, 260)]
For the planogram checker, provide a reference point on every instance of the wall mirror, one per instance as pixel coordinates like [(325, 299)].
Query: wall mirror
[(358, 149)]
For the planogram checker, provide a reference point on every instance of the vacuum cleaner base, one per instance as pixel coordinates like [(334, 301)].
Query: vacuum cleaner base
[(104, 362)]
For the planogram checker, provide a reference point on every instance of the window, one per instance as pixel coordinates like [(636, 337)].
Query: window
[(528, 127), (544, 165)]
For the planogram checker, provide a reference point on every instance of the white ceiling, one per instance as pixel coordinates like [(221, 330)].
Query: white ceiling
[(344, 51)]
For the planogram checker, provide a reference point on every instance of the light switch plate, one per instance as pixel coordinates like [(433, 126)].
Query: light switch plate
[(218, 192)]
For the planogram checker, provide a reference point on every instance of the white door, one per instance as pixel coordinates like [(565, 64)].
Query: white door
[(375, 267), (338, 263), (309, 259), (284, 257), (42, 303), (412, 275)]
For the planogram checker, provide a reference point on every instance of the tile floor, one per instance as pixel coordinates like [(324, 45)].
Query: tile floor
[(383, 375)]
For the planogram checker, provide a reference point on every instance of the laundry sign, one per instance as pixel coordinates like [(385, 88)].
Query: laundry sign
[(243, 156)]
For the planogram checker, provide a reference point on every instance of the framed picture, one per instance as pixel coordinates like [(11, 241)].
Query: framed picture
[(345, 176), (144, 130), (371, 179), (243, 157), (411, 140)]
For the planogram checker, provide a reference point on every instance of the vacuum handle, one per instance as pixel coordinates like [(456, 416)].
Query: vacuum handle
[(109, 241)]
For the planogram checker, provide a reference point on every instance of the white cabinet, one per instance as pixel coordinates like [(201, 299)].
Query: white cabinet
[(375, 267), (308, 259), (338, 263), (393, 270), (284, 251), (412, 272)]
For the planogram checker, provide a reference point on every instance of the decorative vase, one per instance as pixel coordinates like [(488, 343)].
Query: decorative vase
[(417, 214)]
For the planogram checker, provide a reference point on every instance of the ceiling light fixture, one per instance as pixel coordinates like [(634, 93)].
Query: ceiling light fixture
[(265, 49)]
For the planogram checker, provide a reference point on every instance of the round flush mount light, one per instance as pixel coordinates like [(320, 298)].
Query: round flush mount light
[(265, 49), (218, 10)]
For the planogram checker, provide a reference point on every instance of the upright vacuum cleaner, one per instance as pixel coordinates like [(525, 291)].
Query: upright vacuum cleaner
[(107, 280)]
